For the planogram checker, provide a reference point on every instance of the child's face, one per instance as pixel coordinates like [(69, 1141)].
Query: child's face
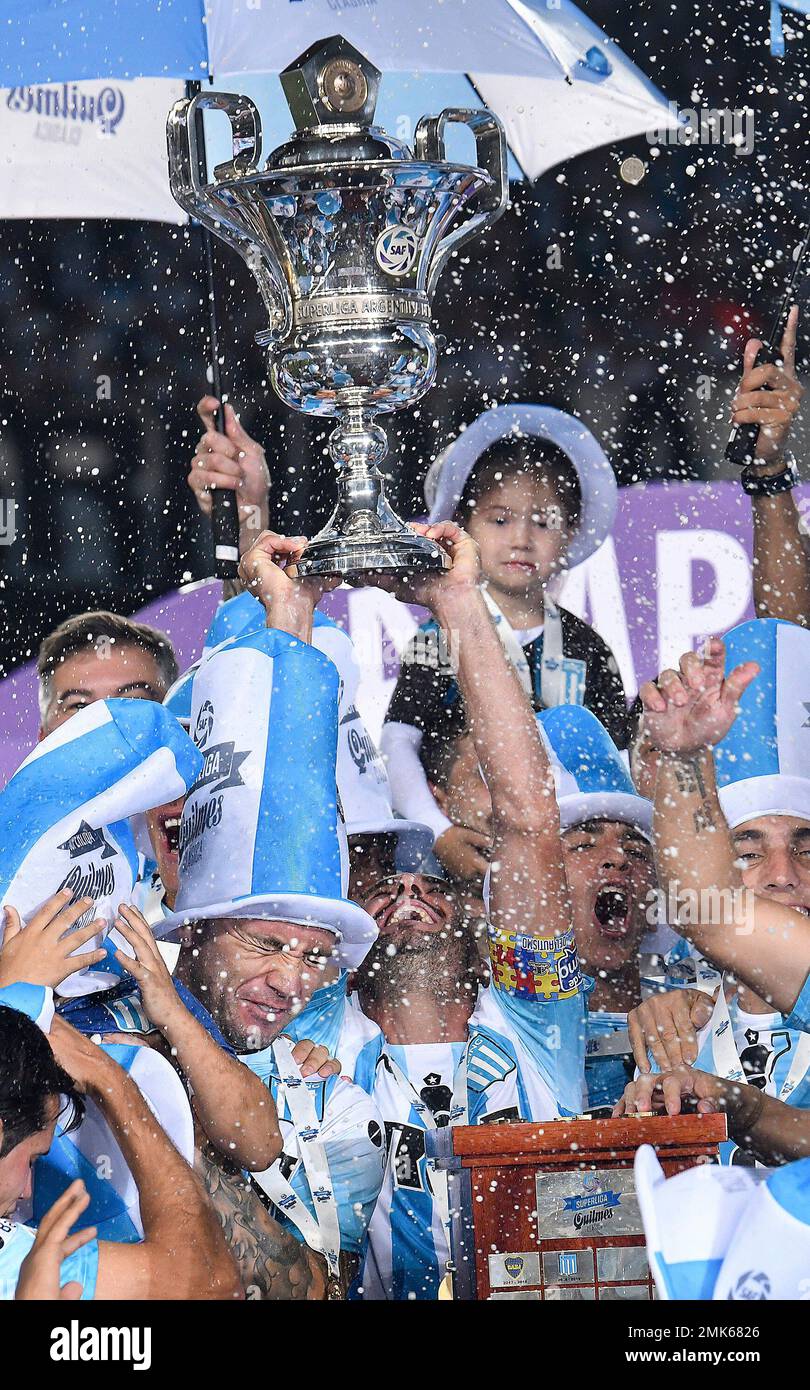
[(521, 532)]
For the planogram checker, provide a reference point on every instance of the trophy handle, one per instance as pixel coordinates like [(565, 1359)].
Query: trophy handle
[(490, 148), (227, 219)]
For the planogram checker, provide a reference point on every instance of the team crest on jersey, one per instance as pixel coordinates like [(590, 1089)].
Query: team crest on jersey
[(761, 1053), (488, 1062)]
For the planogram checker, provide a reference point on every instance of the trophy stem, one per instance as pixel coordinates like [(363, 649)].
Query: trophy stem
[(364, 533)]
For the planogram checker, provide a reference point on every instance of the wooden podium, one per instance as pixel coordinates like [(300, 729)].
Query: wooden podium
[(549, 1211)]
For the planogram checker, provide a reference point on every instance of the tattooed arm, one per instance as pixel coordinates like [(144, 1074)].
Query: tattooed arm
[(765, 944), (694, 851), (271, 1262)]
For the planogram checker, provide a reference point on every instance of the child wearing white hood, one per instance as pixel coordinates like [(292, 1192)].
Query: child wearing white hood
[(534, 489)]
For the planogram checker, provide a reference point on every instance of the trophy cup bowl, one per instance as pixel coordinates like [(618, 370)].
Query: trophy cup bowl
[(346, 232)]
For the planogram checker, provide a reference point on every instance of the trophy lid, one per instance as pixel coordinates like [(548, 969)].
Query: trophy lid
[(331, 91), (331, 83)]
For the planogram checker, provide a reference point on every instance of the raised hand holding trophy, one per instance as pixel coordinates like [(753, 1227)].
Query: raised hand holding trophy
[(346, 232)]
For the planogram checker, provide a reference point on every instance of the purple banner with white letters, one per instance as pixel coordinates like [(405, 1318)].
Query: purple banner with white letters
[(677, 568)]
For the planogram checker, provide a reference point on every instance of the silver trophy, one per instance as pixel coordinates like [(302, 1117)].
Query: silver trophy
[(346, 231)]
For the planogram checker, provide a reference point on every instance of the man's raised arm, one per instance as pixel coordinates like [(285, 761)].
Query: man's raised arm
[(528, 888), (183, 1254), (770, 396), (766, 944)]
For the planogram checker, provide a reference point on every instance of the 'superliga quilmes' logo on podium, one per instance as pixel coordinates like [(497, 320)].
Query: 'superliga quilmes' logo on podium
[(70, 102)]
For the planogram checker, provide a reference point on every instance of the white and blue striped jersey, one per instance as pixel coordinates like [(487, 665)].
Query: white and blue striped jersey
[(512, 1073), (774, 1057), (352, 1136), (799, 1016), (91, 1151), (15, 1242)]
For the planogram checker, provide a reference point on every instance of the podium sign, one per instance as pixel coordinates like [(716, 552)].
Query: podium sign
[(549, 1211)]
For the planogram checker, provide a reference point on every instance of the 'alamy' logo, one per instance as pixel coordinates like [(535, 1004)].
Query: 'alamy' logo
[(68, 102)]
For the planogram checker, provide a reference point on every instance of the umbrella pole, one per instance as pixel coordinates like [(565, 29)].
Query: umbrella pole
[(224, 508)]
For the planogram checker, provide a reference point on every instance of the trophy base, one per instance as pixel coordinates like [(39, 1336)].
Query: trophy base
[(391, 552)]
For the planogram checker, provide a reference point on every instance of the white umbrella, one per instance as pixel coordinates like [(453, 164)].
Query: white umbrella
[(558, 83)]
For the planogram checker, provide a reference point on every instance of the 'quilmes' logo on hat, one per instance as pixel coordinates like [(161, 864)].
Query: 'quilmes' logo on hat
[(221, 768), (361, 750), (86, 840)]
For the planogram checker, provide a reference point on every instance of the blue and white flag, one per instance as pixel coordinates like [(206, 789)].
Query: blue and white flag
[(63, 815), (763, 763), (590, 774), (726, 1233), (261, 835)]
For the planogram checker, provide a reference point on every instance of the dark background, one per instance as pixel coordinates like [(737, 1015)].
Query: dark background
[(656, 290)]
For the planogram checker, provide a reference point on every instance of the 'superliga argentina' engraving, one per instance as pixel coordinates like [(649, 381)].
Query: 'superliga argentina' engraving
[(357, 307)]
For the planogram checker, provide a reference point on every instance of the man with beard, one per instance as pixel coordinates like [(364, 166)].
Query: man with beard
[(452, 1053), (734, 853)]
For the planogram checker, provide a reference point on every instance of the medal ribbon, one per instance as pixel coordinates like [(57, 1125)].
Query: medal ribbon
[(320, 1231), (556, 670)]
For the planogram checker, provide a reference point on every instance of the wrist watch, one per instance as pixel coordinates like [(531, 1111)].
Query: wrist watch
[(769, 485)]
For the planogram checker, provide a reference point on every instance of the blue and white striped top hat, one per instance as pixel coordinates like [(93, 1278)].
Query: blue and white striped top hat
[(63, 815), (447, 477), (763, 763), (261, 835), (716, 1233), (590, 774), (362, 778)]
